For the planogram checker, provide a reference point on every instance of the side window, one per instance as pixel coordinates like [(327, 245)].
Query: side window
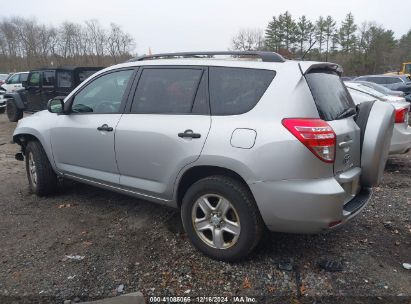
[(23, 77), (379, 80), (64, 79), (48, 78), (34, 80), (237, 90), (13, 79), (103, 94), (166, 91)]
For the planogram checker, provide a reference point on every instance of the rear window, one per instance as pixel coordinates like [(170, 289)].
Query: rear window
[(330, 95), (236, 90)]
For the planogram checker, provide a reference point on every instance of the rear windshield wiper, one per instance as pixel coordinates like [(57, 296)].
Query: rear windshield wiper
[(347, 113)]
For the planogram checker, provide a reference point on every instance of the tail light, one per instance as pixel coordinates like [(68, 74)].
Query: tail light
[(401, 115), (315, 134)]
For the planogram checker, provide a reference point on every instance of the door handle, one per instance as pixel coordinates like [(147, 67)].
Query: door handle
[(189, 134), (105, 127), (345, 144)]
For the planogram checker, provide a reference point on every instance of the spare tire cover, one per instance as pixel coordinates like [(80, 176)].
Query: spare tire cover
[(376, 121)]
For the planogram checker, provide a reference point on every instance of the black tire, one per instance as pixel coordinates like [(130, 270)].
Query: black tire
[(241, 199), (13, 112), (2, 110), (46, 178)]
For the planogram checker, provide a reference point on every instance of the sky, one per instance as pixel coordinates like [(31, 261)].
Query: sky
[(203, 25)]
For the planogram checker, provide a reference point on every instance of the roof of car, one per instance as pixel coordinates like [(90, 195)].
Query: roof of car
[(69, 68)]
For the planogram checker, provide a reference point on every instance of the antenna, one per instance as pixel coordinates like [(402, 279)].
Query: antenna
[(309, 49)]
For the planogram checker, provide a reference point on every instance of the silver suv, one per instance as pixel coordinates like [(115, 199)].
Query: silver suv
[(239, 145)]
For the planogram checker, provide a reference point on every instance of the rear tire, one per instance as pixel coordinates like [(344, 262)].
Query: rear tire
[(13, 112), (231, 226), (41, 176)]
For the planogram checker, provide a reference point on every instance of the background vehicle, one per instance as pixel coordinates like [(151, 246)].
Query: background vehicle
[(371, 91), (12, 84), (3, 78), (216, 139), (393, 82), (14, 81), (381, 89), (42, 85), (405, 70), (401, 137)]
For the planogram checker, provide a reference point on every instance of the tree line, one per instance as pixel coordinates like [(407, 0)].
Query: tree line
[(362, 49), (27, 44)]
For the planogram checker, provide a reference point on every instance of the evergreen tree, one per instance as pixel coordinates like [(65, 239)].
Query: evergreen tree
[(320, 33), (347, 36)]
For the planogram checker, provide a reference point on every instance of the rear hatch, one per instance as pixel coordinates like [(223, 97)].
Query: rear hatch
[(336, 107)]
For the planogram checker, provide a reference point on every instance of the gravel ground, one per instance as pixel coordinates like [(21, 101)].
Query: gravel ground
[(132, 245)]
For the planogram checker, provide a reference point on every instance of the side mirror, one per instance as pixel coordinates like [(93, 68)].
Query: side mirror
[(24, 84), (56, 105)]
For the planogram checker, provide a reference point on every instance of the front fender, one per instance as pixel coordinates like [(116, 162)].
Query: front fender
[(37, 126), (18, 99)]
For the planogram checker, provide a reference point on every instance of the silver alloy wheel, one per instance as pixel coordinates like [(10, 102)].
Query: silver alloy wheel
[(216, 221), (32, 170)]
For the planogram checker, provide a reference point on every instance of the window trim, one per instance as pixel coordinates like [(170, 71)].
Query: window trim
[(185, 67), (69, 103)]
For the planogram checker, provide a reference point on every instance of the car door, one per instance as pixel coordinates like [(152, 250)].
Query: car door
[(33, 92), (164, 129), (83, 140)]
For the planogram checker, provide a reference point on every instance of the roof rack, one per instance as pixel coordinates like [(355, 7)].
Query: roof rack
[(265, 56)]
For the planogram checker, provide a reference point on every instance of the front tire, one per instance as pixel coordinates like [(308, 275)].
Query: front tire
[(41, 176), (13, 112), (221, 218)]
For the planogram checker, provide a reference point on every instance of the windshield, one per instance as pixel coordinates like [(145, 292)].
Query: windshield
[(408, 68)]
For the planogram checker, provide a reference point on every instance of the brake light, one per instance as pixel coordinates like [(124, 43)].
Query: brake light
[(401, 115), (315, 134)]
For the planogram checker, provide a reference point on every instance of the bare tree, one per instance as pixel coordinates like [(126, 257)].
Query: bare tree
[(248, 40)]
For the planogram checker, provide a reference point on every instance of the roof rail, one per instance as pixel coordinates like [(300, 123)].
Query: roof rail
[(265, 56)]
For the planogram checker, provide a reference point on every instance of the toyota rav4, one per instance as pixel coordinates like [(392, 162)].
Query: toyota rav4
[(250, 142)]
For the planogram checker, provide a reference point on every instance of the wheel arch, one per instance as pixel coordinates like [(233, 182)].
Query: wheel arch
[(23, 135), (16, 98), (195, 173)]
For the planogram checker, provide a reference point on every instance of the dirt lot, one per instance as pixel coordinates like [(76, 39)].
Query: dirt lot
[(137, 244)]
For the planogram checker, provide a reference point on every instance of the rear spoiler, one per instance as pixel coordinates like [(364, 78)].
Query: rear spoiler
[(307, 67)]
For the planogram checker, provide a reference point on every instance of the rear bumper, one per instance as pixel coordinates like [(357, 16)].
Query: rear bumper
[(401, 140), (308, 206)]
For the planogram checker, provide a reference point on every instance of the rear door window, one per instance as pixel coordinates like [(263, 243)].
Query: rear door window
[(236, 90), (48, 78), (167, 91), (330, 94)]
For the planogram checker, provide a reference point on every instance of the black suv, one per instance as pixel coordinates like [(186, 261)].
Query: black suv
[(43, 85)]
